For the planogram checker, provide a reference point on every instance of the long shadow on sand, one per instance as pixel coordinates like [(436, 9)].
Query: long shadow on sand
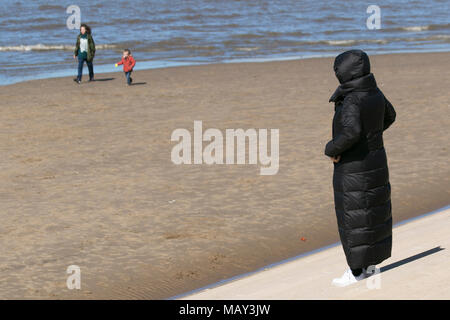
[(410, 259), (138, 83)]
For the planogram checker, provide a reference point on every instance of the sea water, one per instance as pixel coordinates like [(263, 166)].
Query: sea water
[(35, 41)]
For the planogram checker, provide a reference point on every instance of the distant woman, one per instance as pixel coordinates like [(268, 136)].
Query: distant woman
[(85, 51), (362, 192)]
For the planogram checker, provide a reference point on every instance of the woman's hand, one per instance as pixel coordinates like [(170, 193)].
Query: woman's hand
[(336, 159), (74, 56)]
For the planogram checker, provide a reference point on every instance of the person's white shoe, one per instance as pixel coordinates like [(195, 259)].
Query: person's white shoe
[(348, 278)]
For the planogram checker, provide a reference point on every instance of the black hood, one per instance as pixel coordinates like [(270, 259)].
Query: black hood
[(352, 68), (350, 65)]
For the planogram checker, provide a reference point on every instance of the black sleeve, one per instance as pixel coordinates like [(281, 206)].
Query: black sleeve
[(389, 114), (350, 134)]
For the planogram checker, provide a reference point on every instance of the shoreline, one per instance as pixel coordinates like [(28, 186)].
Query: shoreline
[(87, 177), (173, 64)]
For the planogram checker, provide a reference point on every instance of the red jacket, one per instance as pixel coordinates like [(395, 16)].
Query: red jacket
[(128, 63)]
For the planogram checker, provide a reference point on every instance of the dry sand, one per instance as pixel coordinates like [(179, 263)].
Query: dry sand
[(416, 270), (86, 176)]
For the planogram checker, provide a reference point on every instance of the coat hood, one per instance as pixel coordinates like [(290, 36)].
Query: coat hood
[(352, 68), (350, 65)]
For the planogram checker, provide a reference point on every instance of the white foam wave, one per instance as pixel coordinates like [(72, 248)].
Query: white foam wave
[(352, 42), (47, 47), (416, 28)]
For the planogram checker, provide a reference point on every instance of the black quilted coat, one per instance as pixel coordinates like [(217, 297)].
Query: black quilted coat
[(362, 192)]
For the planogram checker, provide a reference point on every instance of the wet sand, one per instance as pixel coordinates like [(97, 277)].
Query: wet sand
[(86, 176)]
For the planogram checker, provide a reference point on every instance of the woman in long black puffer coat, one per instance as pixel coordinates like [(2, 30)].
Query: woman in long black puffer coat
[(362, 192)]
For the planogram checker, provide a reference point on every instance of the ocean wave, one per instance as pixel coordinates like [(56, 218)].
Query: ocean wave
[(171, 42), (415, 28), (50, 7), (21, 21), (332, 17), (423, 27), (351, 42), (49, 47), (247, 49), (199, 17), (287, 34), (23, 28), (440, 37), (277, 44), (242, 42), (137, 21), (247, 36)]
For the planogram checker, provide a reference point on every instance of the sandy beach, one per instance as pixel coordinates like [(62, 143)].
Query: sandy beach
[(87, 178), (413, 272)]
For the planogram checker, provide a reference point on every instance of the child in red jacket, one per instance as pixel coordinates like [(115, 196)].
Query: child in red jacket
[(128, 64)]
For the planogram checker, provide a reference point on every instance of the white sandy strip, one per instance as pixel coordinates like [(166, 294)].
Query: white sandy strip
[(418, 269)]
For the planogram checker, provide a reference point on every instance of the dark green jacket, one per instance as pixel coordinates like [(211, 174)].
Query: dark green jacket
[(91, 47)]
